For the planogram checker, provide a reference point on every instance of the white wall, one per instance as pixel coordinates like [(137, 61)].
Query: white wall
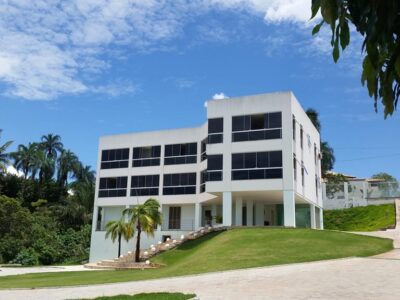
[(284, 102)]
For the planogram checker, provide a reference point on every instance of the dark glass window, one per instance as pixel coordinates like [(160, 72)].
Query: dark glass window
[(145, 185), (216, 125), (146, 156), (294, 128), (215, 138), (262, 160), (214, 162), (257, 121), (174, 221), (114, 158), (275, 159), (301, 136), (179, 184), (204, 149), (176, 154), (215, 130), (113, 187), (275, 120), (257, 127), (237, 160), (257, 165), (238, 123), (250, 160)]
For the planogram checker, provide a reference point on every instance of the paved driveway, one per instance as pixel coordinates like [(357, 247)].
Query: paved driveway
[(21, 270), (350, 278)]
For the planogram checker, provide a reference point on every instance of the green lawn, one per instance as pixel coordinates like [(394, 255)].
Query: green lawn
[(150, 296), (233, 249), (363, 218)]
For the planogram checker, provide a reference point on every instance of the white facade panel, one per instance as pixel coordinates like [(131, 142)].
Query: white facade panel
[(279, 193)]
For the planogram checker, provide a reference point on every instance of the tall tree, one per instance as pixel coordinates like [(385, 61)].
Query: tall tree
[(4, 156), (119, 229), (378, 22), (24, 157), (328, 156), (314, 117), (67, 164), (52, 145), (144, 217)]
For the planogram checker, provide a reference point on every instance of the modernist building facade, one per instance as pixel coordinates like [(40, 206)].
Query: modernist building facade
[(255, 162)]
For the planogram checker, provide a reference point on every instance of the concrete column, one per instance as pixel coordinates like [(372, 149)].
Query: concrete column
[(197, 216), (346, 192), (312, 216), (321, 218), (238, 215), (289, 209), (227, 208), (259, 214), (249, 212), (95, 217), (126, 216), (213, 213)]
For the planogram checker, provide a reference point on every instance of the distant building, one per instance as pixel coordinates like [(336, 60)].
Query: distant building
[(359, 192), (255, 162)]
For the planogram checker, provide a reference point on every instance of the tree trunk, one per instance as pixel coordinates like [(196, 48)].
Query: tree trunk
[(119, 245), (137, 252)]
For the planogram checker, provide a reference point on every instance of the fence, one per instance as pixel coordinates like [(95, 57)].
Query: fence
[(359, 193)]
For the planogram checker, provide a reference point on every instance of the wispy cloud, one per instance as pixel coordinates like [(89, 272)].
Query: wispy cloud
[(48, 47), (115, 89)]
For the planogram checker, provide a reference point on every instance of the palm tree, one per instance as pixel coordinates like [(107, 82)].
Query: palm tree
[(51, 144), (84, 174), (119, 229), (314, 117), (328, 156), (4, 161), (144, 217), (67, 164), (24, 157)]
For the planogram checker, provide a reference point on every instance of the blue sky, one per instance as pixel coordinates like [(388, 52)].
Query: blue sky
[(83, 69)]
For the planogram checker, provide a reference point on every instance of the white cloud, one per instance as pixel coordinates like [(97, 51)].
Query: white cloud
[(115, 89), (48, 47), (219, 96), (11, 170)]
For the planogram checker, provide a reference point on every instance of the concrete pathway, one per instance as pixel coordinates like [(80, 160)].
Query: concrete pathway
[(22, 270), (350, 278)]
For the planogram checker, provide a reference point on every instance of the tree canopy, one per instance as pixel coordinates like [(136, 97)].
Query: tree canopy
[(378, 22)]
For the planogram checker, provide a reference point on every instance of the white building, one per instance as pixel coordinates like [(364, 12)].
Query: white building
[(255, 162)]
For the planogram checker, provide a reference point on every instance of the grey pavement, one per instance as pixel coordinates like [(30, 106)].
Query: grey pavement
[(350, 278)]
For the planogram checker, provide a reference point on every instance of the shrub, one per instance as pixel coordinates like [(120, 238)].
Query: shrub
[(27, 257)]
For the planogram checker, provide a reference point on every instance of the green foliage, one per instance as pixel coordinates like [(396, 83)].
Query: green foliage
[(328, 158), (228, 250), (41, 231), (334, 183), (4, 157), (378, 22), (41, 212), (150, 296), (385, 176), (365, 218), (27, 257), (143, 217), (328, 155)]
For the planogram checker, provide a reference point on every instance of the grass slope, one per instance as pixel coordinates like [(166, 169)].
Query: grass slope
[(363, 218), (150, 296), (233, 249)]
